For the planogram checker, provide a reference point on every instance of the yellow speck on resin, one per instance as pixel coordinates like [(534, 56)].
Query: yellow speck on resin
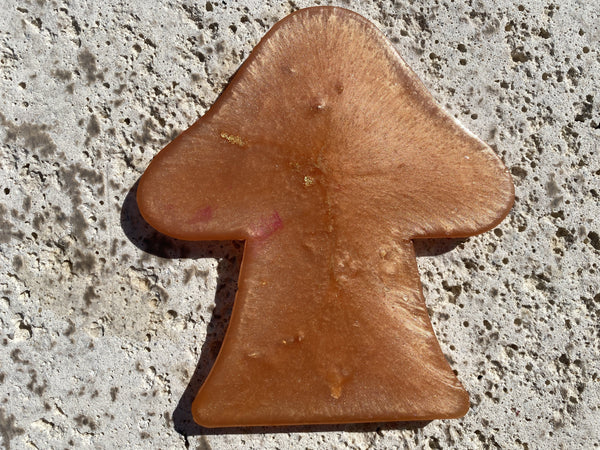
[(233, 139)]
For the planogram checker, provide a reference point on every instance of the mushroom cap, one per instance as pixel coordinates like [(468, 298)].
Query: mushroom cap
[(325, 100)]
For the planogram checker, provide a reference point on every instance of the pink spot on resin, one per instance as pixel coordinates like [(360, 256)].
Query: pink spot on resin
[(267, 226), (201, 215)]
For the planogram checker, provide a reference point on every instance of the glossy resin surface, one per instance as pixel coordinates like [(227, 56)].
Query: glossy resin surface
[(328, 157)]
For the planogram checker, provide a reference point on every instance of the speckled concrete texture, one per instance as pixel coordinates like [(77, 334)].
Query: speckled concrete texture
[(107, 328)]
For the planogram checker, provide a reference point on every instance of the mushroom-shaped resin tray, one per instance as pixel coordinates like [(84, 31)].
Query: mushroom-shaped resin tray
[(327, 155)]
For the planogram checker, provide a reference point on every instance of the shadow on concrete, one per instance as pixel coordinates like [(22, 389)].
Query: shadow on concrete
[(229, 255), (435, 247)]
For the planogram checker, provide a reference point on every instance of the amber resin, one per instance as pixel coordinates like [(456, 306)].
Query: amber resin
[(328, 157)]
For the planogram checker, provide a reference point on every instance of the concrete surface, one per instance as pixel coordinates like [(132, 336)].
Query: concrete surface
[(107, 329)]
